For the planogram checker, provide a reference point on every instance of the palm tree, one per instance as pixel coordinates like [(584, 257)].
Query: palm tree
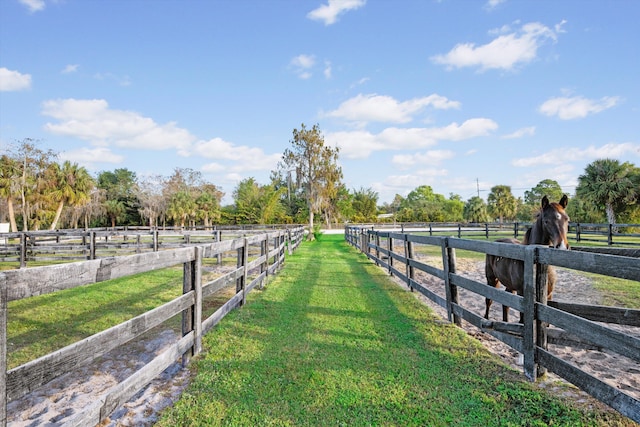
[(609, 183), (475, 210), (71, 184), (115, 210), (181, 207), (502, 202), (9, 174)]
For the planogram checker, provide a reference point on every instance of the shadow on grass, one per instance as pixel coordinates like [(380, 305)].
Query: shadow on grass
[(332, 341)]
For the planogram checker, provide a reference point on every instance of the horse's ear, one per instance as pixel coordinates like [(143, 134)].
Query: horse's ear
[(564, 201), (545, 202)]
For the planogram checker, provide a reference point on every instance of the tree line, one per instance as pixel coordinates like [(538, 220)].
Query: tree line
[(38, 192)]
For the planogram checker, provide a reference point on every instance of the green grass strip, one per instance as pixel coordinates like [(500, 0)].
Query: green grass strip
[(333, 341)]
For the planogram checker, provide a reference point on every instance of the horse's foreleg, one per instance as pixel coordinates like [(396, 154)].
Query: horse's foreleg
[(505, 308), (487, 302)]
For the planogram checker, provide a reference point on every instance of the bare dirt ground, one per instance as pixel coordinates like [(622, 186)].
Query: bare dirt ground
[(69, 394)]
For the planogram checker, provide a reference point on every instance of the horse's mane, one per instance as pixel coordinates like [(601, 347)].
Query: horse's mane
[(527, 236)]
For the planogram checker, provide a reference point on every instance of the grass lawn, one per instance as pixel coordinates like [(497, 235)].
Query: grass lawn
[(333, 341)]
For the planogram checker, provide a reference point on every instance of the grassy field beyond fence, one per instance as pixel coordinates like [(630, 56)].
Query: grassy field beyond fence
[(333, 341)]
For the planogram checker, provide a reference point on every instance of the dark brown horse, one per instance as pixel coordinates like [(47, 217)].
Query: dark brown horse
[(550, 228)]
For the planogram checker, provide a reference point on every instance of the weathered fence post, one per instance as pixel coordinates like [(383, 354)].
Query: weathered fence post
[(192, 316), (459, 231), (92, 245), (528, 316), (264, 252), (486, 230), (377, 240), (610, 235), (541, 298), (390, 249), (155, 239), (578, 232), (242, 255), (23, 250), (451, 291), (3, 351), (408, 254)]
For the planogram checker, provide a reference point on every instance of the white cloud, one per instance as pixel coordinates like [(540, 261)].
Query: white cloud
[(92, 120), (33, 5), (611, 150), (328, 13), (520, 133), (492, 4), (302, 65), (11, 81), (71, 68), (88, 157), (504, 52), (577, 107), (327, 70), (247, 158), (360, 144), (431, 158), (380, 108)]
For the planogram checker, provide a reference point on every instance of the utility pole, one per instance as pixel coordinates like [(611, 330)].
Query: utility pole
[(478, 187)]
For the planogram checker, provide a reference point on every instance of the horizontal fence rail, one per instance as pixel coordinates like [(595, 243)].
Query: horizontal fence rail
[(257, 257), (87, 244), (609, 234), (575, 324)]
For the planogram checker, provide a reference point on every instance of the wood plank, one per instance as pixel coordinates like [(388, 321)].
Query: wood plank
[(442, 302), (28, 377), (486, 291), (28, 282), (610, 265), (510, 339), (222, 311), (437, 272), (425, 240), (562, 337), (599, 313), (221, 282), (494, 248), (618, 342), (621, 402), (255, 281)]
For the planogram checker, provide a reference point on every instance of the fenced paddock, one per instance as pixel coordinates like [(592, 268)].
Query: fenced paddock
[(85, 244), (257, 257), (574, 324)]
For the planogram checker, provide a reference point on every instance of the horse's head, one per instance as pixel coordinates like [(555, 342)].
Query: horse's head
[(555, 222)]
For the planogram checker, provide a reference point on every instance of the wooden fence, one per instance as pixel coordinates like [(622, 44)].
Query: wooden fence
[(252, 269), (86, 244), (609, 234), (579, 324)]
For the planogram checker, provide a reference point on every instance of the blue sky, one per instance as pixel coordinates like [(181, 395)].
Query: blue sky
[(458, 95)]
